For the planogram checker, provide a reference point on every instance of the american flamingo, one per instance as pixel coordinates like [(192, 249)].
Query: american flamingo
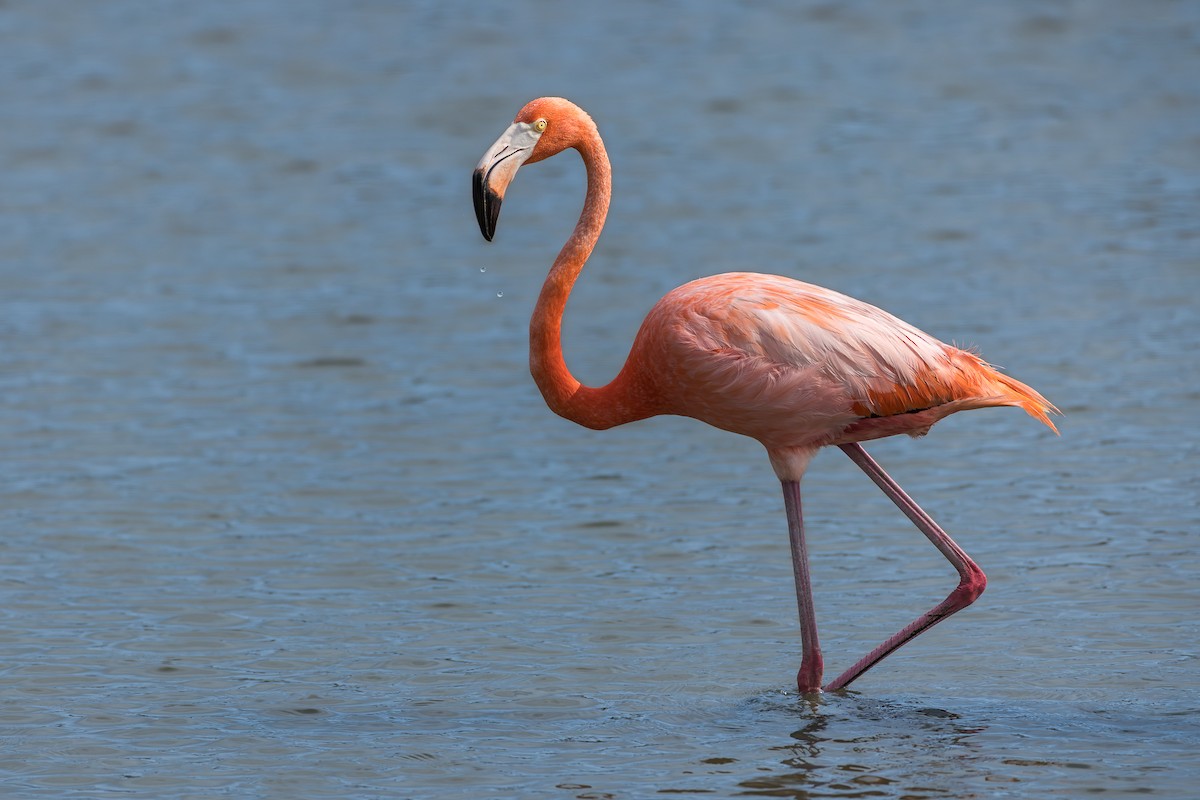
[(793, 365)]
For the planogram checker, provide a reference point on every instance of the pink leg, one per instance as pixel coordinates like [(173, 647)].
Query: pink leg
[(811, 665), (971, 578)]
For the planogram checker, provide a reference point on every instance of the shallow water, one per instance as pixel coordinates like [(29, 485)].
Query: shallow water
[(285, 517)]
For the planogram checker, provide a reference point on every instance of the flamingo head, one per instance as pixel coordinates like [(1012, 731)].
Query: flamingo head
[(542, 128)]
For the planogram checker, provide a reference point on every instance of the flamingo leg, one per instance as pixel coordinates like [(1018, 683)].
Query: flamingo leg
[(971, 578), (808, 679)]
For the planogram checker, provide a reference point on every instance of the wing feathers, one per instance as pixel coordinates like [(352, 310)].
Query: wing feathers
[(793, 334)]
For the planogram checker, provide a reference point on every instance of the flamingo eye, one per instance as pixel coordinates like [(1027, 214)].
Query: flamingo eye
[(539, 125)]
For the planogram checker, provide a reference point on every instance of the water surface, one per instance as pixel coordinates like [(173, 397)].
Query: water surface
[(285, 517)]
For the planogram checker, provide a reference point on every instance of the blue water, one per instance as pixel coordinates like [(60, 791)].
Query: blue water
[(285, 516)]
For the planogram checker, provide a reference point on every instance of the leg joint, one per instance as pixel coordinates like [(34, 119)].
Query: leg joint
[(971, 585)]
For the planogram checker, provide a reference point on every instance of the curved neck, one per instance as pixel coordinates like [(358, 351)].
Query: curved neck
[(566, 396)]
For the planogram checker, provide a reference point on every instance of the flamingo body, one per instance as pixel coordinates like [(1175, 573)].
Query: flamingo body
[(793, 365), (799, 367)]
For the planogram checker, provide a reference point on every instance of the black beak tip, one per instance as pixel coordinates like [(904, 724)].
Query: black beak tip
[(487, 205)]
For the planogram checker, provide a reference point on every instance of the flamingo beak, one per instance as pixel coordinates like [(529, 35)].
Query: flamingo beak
[(487, 203), (495, 172)]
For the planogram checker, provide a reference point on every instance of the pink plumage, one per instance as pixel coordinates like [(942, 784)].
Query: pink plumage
[(793, 365), (796, 366)]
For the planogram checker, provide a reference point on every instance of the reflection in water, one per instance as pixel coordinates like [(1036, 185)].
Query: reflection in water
[(836, 753)]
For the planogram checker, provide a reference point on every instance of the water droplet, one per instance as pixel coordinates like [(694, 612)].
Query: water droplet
[(499, 294)]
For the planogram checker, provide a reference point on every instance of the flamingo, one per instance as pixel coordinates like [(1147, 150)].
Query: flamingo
[(793, 365)]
